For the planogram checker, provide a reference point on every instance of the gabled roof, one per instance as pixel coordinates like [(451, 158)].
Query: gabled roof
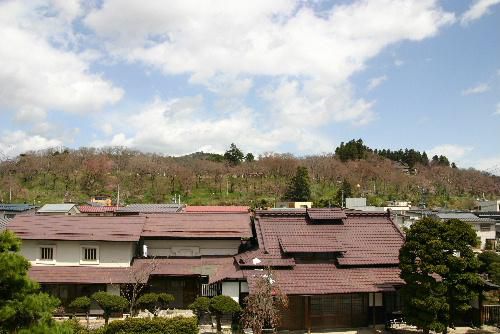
[(85, 228), (326, 214), (198, 225), (56, 208), (16, 207), (217, 208), (96, 209), (465, 217), (150, 208)]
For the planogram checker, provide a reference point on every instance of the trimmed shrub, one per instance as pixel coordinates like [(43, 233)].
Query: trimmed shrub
[(177, 325), (220, 305), (109, 303), (200, 305), (154, 302)]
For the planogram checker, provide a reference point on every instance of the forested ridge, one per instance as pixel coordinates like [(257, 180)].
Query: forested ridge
[(57, 175)]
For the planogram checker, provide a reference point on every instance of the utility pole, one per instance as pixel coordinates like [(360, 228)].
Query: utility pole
[(10, 194), (118, 197), (342, 203)]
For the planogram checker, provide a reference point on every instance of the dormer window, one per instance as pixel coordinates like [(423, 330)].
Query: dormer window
[(326, 216), (90, 255)]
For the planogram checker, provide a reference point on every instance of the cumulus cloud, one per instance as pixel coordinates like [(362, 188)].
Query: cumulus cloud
[(477, 10), (15, 142), (40, 71), (375, 82), (478, 89), (452, 152)]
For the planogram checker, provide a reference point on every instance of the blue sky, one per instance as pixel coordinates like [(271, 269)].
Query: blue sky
[(283, 76)]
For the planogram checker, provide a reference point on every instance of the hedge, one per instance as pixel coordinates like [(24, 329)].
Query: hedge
[(177, 325)]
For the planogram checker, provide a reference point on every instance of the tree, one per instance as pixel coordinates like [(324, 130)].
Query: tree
[(234, 155), (265, 305), (82, 304), (249, 157), (221, 305), (299, 188), (21, 303), (139, 276), (155, 302), (490, 265), (109, 303), (440, 270), (200, 306), (344, 192)]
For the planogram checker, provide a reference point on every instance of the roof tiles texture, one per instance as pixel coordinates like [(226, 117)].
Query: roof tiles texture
[(85, 228), (198, 225), (217, 208), (16, 207), (80, 274), (96, 209), (62, 207), (324, 244), (150, 208), (326, 214)]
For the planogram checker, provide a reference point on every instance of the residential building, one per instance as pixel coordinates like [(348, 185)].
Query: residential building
[(67, 209), (103, 200), (8, 210), (3, 223), (489, 206), (138, 209), (485, 227), (91, 210), (398, 209), (216, 209), (294, 205), (339, 268)]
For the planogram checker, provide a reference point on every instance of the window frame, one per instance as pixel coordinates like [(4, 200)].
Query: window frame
[(82, 254), (46, 261)]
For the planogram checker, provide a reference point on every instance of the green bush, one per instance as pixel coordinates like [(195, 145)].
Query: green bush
[(220, 305), (177, 325), (200, 305), (80, 304), (109, 303), (154, 302)]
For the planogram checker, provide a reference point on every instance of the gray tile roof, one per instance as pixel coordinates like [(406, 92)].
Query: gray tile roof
[(15, 207), (464, 216), (151, 208), (3, 223), (62, 207)]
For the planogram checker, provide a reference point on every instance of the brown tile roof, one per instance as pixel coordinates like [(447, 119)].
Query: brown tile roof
[(86, 228), (217, 209), (305, 244), (202, 266), (326, 214), (366, 238), (198, 225), (328, 279), (80, 274), (96, 209)]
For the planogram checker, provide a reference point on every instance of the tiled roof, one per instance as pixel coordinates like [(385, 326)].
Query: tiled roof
[(77, 228), (150, 208), (216, 208), (198, 225), (304, 244), (3, 223), (62, 207), (202, 266), (16, 207), (465, 217), (328, 279), (96, 209), (326, 214), (367, 238), (80, 274)]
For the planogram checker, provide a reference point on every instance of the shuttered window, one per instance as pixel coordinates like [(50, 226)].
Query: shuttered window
[(47, 253), (89, 253)]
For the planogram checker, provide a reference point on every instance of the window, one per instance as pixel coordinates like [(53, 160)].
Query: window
[(485, 227), (47, 254), (90, 255)]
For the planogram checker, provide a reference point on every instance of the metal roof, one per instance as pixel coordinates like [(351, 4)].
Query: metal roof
[(464, 216), (60, 207), (150, 208), (16, 207)]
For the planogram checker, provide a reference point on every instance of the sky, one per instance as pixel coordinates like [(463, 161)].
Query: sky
[(180, 76)]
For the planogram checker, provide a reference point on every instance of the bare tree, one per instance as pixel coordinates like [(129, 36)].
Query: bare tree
[(138, 275)]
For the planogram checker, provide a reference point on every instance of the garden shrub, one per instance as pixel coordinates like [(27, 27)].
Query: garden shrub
[(177, 325)]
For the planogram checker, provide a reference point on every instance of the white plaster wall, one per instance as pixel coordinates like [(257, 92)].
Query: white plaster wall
[(231, 289), (192, 247), (68, 253)]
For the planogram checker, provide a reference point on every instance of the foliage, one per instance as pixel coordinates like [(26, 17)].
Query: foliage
[(52, 328), (344, 192), (21, 303), (352, 150), (81, 304), (440, 270), (109, 303), (177, 325), (490, 265), (265, 305), (299, 188), (200, 305), (154, 302), (220, 305), (440, 161), (137, 275), (249, 157), (234, 155)]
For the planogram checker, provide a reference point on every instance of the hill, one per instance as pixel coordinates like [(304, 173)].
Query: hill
[(204, 178)]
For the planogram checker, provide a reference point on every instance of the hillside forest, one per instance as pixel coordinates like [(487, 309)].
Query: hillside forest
[(74, 175)]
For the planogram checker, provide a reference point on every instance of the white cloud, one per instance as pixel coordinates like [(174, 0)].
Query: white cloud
[(15, 142), (375, 82), (226, 45), (478, 9), (399, 62), (30, 115), (452, 152), (39, 69), (497, 112), (478, 89)]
